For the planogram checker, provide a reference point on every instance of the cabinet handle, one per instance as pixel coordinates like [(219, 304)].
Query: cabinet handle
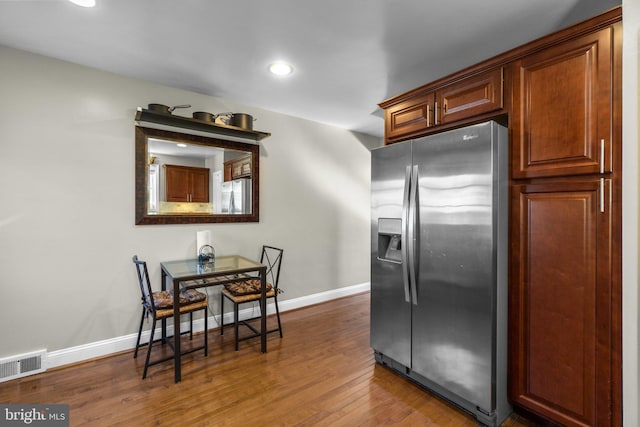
[(428, 115), (602, 156), (601, 194), (435, 113)]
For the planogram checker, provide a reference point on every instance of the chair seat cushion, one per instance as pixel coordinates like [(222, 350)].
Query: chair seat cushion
[(164, 299), (246, 287), (239, 299), (189, 296)]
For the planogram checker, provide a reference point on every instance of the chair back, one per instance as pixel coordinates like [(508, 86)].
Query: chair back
[(145, 283), (272, 258)]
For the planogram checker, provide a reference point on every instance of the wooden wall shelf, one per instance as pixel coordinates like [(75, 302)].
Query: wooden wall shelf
[(145, 115)]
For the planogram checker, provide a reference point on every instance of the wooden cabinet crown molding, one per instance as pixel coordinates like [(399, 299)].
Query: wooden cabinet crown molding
[(598, 22), (503, 60)]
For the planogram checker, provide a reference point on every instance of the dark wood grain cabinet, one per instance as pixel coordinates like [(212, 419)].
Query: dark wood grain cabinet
[(561, 300), (562, 109), (565, 336), (469, 97), (409, 117), (237, 168), (429, 109), (186, 184)]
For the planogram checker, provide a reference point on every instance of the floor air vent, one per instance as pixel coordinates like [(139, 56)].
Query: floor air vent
[(22, 365)]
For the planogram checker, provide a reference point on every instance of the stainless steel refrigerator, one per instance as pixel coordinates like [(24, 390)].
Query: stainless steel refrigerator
[(236, 196), (439, 265)]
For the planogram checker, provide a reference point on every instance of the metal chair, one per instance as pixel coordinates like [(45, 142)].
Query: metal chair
[(159, 305), (249, 291)]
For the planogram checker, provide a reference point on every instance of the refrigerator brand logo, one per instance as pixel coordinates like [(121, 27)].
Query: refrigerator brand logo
[(469, 137)]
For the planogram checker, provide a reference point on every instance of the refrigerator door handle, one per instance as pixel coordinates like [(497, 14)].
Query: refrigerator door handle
[(404, 236), (413, 216)]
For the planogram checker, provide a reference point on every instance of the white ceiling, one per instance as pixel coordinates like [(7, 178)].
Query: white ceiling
[(348, 55)]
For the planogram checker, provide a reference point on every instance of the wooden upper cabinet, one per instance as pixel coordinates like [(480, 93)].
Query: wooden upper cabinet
[(562, 104), (428, 108), (186, 184), (237, 168), (409, 117), (470, 97)]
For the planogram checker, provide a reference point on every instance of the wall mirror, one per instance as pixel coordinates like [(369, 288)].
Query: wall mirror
[(186, 179)]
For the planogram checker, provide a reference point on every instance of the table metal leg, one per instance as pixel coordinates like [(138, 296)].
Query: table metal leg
[(163, 322), (263, 309), (177, 362)]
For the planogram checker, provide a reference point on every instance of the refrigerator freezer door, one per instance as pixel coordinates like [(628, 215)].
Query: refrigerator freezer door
[(237, 207), (453, 320), (390, 312), (225, 203), (236, 196)]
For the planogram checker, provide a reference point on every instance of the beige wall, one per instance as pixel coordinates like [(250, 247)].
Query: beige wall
[(67, 230)]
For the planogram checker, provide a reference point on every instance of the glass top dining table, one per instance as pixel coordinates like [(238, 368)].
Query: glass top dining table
[(186, 269), (192, 273)]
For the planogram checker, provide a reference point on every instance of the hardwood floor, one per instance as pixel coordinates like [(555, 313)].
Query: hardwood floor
[(321, 373)]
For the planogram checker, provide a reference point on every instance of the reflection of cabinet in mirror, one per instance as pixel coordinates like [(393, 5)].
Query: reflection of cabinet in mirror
[(237, 168), (186, 184)]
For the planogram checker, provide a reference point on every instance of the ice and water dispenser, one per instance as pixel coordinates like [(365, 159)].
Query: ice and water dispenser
[(389, 239)]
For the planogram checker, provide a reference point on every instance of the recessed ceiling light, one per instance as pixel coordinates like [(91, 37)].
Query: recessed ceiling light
[(84, 3), (280, 68), (181, 145)]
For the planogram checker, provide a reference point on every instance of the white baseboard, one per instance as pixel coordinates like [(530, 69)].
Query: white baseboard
[(127, 342)]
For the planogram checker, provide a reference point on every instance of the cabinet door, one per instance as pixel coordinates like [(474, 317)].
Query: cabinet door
[(560, 302), (228, 172), (177, 183), (409, 117), (237, 170), (186, 184), (470, 97), (246, 167), (200, 185), (562, 121)]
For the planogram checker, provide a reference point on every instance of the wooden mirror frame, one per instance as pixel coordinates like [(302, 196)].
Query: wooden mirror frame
[(142, 172)]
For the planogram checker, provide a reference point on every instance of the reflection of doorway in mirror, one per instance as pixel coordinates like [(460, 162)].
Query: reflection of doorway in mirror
[(154, 188)]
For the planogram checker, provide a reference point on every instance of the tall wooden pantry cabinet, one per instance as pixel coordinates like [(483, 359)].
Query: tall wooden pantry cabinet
[(565, 228)]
